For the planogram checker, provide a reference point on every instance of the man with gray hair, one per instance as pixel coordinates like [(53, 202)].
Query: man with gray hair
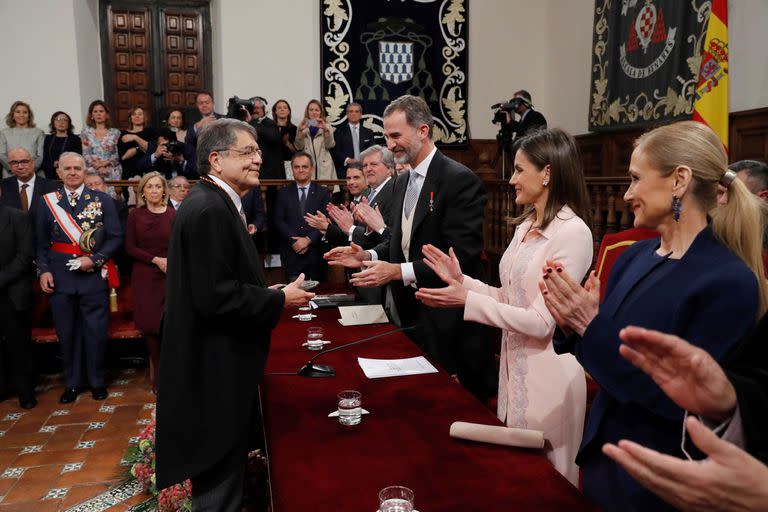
[(179, 189), (441, 203), (78, 231), (352, 138), (217, 325)]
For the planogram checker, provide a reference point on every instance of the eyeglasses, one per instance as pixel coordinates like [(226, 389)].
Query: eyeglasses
[(248, 152), (61, 118), (182, 187), (20, 162)]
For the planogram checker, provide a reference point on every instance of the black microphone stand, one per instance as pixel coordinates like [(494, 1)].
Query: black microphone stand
[(321, 370)]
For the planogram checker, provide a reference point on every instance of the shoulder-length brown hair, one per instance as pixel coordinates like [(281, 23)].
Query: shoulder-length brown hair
[(140, 201), (89, 117), (567, 186), (11, 122)]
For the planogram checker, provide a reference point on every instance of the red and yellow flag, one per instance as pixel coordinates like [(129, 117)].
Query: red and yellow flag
[(710, 105)]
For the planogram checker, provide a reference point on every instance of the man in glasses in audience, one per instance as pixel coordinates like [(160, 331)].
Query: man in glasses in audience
[(179, 190), (24, 189)]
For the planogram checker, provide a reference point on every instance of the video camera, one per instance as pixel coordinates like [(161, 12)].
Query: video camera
[(499, 116), (235, 108)]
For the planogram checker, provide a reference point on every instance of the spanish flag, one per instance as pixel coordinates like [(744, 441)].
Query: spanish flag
[(710, 104)]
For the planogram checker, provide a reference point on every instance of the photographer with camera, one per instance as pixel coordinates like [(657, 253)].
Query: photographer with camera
[(511, 129), (167, 156), (521, 105)]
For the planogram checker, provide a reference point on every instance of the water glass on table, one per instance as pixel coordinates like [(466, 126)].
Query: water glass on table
[(350, 404), (396, 498), (315, 338)]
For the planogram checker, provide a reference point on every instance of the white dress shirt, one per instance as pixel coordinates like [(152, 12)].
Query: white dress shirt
[(30, 189)]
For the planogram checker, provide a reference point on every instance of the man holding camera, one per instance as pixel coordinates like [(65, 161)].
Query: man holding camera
[(166, 156), (530, 120)]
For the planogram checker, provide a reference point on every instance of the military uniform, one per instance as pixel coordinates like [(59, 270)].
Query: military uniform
[(79, 302)]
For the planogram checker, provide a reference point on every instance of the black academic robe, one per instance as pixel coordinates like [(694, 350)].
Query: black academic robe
[(216, 334)]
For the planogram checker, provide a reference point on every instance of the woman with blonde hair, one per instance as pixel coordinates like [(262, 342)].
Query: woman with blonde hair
[(21, 132), (702, 280), (315, 137), (146, 241)]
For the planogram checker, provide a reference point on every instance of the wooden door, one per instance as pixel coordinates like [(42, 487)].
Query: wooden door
[(156, 56)]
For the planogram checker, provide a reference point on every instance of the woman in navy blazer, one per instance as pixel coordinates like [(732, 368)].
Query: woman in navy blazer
[(702, 280)]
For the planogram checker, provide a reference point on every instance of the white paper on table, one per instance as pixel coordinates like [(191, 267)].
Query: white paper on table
[(378, 368), (362, 315)]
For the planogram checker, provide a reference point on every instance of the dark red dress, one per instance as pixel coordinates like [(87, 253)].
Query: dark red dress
[(146, 237)]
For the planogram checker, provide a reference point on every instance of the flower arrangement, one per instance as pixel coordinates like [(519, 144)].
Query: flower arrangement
[(141, 460)]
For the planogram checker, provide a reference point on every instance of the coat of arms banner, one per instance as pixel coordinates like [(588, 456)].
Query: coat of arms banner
[(646, 58), (374, 51)]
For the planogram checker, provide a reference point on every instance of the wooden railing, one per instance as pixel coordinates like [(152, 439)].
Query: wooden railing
[(609, 212)]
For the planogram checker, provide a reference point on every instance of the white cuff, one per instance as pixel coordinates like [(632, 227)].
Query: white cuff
[(409, 275), (351, 231), (381, 231), (374, 256)]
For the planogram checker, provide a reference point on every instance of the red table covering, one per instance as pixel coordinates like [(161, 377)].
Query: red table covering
[(317, 464)]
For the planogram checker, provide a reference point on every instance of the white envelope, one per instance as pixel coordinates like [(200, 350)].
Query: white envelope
[(362, 315)]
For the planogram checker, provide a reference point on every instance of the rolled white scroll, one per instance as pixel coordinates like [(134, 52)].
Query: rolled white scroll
[(519, 437)]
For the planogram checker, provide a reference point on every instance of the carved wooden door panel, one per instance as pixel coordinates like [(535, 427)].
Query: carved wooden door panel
[(129, 34), (156, 55)]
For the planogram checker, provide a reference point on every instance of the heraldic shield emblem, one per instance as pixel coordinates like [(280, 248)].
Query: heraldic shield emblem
[(395, 61)]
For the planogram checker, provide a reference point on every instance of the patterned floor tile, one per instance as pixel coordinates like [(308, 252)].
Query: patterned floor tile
[(12, 473), (84, 445), (33, 484), (31, 449), (56, 494), (74, 466)]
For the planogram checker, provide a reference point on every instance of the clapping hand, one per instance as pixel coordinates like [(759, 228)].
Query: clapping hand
[(349, 257), (300, 244), (447, 268), (371, 217), (318, 221), (686, 373), (341, 216), (572, 306)]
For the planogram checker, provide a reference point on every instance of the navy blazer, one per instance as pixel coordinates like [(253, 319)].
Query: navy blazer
[(344, 148), (710, 299), (10, 195), (104, 211), (253, 207), (289, 219)]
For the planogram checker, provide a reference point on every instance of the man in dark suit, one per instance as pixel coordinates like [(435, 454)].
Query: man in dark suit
[(24, 180), (352, 138), (378, 165), (300, 244), (75, 273), (439, 202), (167, 156), (198, 120), (270, 141), (16, 274), (217, 326), (530, 120)]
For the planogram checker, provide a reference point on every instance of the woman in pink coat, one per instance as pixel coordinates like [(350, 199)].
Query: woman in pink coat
[(538, 389)]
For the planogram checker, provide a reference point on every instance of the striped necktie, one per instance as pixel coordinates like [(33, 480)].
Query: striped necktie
[(411, 194)]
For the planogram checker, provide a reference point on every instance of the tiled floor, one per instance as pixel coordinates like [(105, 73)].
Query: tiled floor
[(55, 457)]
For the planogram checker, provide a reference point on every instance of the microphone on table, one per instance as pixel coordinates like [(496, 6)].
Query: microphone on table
[(322, 370)]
